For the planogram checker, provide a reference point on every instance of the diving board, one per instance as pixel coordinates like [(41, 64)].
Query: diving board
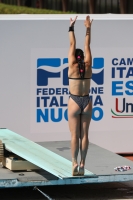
[(38, 155), (100, 161)]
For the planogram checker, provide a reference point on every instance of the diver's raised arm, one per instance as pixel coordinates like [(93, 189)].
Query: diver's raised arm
[(87, 49), (72, 39)]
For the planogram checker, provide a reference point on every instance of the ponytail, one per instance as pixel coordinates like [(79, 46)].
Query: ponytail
[(81, 66)]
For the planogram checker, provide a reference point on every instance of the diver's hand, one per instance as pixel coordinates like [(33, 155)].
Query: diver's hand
[(88, 22), (72, 21)]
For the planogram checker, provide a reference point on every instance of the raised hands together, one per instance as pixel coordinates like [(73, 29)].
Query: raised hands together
[(87, 21)]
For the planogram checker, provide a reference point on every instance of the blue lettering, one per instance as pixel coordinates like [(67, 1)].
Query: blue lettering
[(41, 115), (38, 91), (98, 100), (115, 87), (65, 76), (100, 114), (129, 85), (113, 61), (129, 106), (45, 101), (61, 102), (45, 91), (65, 91), (113, 72), (51, 91), (59, 118), (38, 102), (129, 62), (121, 69), (122, 62), (94, 90), (54, 102), (100, 90), (130, 72), (58, 91)]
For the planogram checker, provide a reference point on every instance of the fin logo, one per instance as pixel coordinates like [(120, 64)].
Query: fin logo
[(45, 64), (50, 68), (98, 65)]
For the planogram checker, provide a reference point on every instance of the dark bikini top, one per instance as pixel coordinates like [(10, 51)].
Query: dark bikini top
[(81, 66)]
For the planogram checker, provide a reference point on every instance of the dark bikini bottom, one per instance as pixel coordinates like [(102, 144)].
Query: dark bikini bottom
[(82, 101)]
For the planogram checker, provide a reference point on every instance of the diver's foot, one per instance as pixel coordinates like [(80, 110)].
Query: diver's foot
[(75, 170), (81, 170)]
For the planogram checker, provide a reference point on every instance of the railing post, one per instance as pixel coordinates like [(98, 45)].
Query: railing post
[(40, 3), (18, 3), (65, 4), (92, 6), (123, 6)]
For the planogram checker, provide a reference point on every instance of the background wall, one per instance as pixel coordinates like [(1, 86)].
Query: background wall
[(25, 39)]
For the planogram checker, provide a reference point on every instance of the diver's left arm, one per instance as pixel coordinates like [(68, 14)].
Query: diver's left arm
[(87, 49)]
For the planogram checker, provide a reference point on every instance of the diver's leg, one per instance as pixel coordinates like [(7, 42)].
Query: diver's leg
[(74, 126), (84, 141)]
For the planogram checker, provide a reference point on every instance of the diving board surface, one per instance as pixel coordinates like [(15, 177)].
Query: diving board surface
[(38, 155), (100, 161)]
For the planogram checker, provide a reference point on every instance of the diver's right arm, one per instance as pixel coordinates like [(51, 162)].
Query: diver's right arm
[(71, 53)]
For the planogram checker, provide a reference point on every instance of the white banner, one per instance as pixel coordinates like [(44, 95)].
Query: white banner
[(34, 83), (111, 91)]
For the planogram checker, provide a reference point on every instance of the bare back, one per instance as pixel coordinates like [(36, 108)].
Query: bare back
[(79, 86)]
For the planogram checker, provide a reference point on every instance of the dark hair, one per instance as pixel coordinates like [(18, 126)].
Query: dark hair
[(79, 54)]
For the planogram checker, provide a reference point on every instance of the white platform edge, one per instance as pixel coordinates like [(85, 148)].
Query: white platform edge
[(12, 183), (108, 16)]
